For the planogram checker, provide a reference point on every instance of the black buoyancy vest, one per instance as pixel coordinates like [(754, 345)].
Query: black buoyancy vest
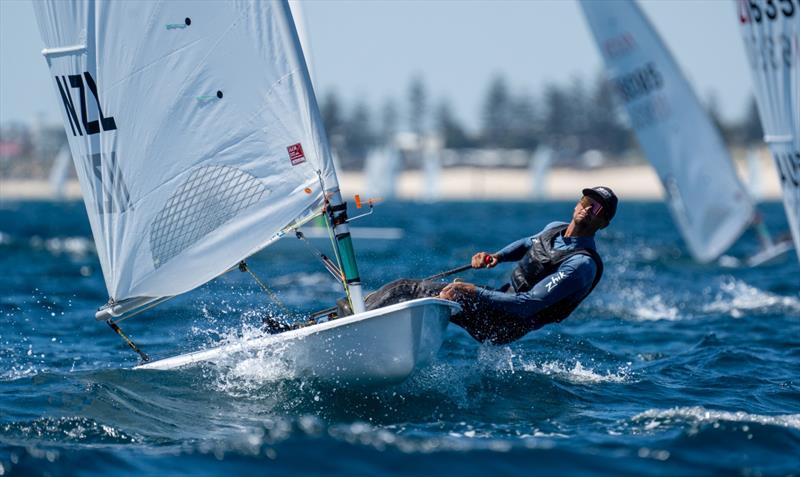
[(542, 260)]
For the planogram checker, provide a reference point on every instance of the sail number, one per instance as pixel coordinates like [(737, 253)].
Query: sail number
[(789, 167), (82, 83), (639, 82), (772, 53), (109, 189), (770, 10)]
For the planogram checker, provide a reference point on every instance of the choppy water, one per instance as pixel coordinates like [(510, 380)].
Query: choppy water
[(669, 368)]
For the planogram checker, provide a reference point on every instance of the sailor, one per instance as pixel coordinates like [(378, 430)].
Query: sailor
[(555, 271)]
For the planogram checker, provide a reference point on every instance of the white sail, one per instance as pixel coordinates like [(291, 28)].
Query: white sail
[(705, 196), (771, 32), (296, 8), (381, 169), (432, 147), (194, 129), (539, 171), (59, 172)]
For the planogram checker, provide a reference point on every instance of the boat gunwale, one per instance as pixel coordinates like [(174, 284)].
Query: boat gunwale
[(206, 354)]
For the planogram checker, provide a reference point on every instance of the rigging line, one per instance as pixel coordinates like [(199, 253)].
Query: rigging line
[(327, 216), (244, 268), (335, 247), (327, 262), (130, 343)]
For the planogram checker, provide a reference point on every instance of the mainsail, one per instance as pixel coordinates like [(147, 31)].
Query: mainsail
[(705, 196), (195, 133), (771, 32)]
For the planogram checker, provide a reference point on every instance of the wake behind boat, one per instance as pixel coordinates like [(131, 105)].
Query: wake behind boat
[(198, 142)]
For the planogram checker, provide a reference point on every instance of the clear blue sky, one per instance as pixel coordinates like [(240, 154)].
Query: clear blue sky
[(370, 49)]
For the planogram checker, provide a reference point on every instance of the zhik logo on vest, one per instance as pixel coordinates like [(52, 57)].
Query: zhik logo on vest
[(554, 280)]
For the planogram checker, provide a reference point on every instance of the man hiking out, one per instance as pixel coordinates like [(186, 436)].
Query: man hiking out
[(555, 270)]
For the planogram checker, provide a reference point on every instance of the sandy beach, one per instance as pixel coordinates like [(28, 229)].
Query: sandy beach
[(634, 182)]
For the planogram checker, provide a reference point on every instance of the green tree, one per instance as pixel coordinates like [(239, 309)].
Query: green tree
[(524, 128), (389, 119), (359, 137), (497, 113), (417, 105), (606, 129), (453, 133)]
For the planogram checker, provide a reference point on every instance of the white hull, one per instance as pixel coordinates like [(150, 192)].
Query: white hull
[(375, 347)]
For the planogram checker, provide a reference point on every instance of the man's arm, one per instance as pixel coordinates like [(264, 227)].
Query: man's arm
[(575, 275), (516, 250)]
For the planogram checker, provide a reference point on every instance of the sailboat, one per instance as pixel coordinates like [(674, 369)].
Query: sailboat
[(59, 172), (707, 200), (198, 141), (539, 171), (771, 35)]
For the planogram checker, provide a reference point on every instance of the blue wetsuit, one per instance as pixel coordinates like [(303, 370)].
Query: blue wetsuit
[(573, 279), (501, 316)]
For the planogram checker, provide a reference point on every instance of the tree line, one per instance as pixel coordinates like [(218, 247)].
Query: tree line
[(569, 118)]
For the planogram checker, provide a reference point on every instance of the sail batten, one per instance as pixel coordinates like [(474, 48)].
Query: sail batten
[(194, 130), (706, 198)]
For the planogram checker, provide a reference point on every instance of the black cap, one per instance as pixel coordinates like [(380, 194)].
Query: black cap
[(607, 199)]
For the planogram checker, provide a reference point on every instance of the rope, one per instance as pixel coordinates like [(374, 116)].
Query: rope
[(329, 265), (243, 267), (130, 343)]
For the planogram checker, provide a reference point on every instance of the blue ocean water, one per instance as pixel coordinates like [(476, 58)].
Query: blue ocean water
[(669, 368)]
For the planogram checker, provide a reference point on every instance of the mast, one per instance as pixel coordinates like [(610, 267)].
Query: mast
[(337, 211)]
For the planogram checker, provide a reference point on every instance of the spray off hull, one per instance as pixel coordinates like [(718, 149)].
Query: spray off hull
[(382, 346)]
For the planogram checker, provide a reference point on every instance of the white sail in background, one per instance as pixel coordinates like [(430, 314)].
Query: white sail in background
[(432, 147), (771, 32), (539, 171), (705, 196), (59, 172), (194, 129), (381, 168)]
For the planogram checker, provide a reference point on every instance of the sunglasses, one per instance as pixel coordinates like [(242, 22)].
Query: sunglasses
[(595, 208)]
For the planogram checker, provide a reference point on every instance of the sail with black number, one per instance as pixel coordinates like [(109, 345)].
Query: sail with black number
[(198, 141), (194, 130), (707, 200), (771, 32)]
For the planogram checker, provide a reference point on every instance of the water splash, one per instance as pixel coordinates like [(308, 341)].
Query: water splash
[(654, 418), (69, 429), (635, 304), (578, 374), (735, 297)]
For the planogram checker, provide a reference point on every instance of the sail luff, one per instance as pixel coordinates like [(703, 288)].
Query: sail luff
[(707, 200)]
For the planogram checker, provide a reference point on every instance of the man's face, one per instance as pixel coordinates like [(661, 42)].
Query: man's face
[(589, 212)]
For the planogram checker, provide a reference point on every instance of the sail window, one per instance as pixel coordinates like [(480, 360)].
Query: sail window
[(210, 197)]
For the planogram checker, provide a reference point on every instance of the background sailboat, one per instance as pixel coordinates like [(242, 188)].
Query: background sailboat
[(59, 172), (198, 141), (706, 198), (771, 33)]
